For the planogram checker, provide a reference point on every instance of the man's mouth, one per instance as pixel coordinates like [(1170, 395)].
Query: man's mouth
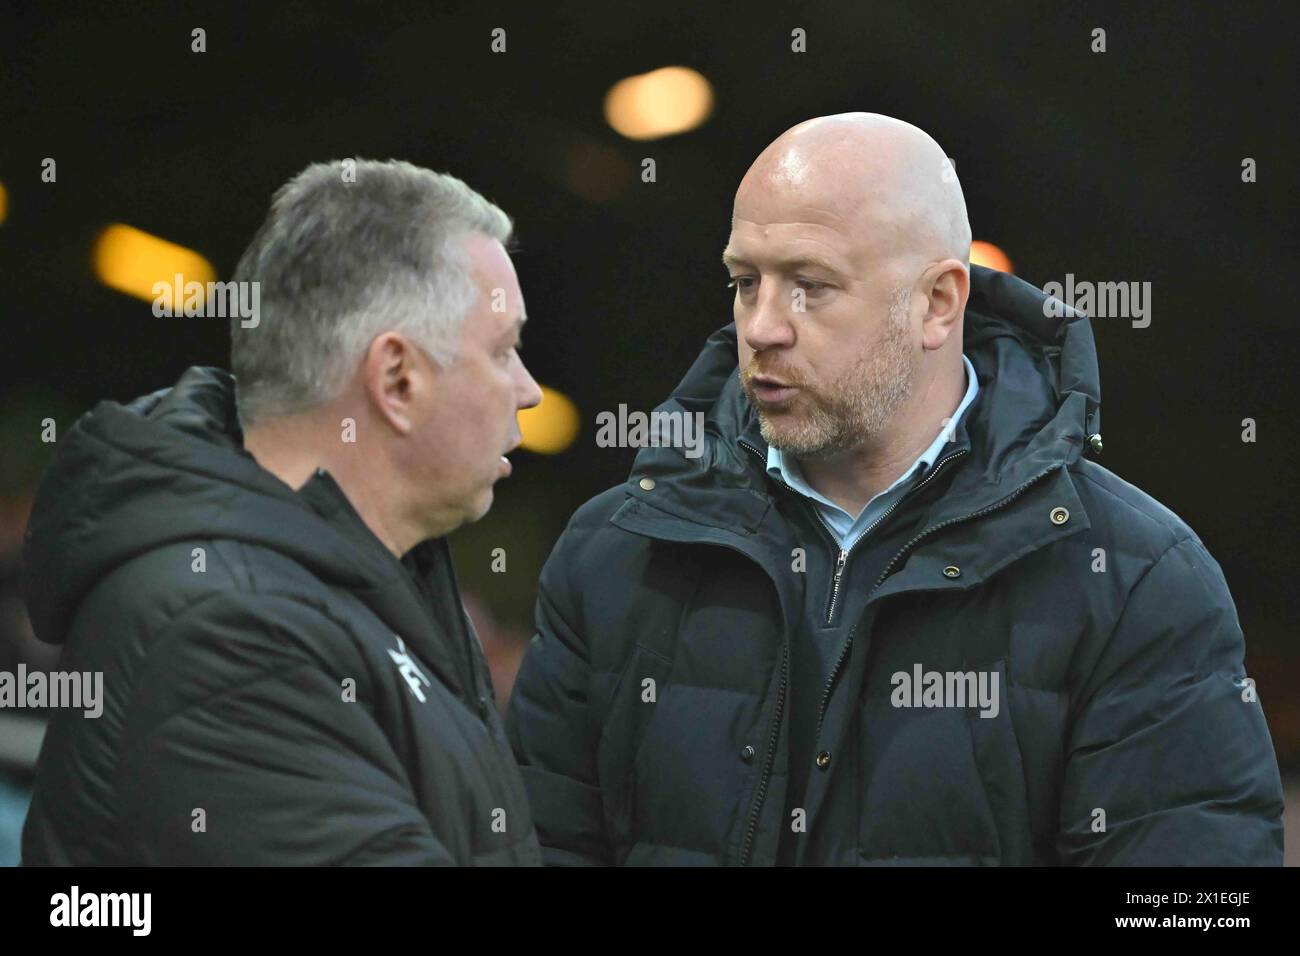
[(770, 390), (506, 467)]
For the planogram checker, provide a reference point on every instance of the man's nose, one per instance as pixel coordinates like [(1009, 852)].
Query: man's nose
[(769, 324), (529, 392)]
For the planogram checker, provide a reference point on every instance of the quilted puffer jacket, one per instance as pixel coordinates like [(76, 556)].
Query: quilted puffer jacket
[(279, 689), (651, 714)]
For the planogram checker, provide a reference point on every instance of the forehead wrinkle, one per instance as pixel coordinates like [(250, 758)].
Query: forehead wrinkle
[(788, 264), (787, 247)]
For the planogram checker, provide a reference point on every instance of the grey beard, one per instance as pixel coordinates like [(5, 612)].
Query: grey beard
[(862, 403)]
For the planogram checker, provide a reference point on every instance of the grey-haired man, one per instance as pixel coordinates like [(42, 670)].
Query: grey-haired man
[(260, 572)]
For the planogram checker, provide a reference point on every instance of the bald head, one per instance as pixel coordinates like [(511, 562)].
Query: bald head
[(883, 178), (850, 256)]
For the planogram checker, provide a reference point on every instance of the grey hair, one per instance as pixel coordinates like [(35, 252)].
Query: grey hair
[(349, 250)]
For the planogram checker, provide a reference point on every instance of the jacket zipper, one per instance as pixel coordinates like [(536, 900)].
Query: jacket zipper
[(770, 754), (844, 554), (761, 792), (839, 662), (848, 643), (839, 573)]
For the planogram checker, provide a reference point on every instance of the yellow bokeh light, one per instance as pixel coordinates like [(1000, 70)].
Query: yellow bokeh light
[(132, 261), (550, 427), (988, 255), (4, 203), (669, 100)]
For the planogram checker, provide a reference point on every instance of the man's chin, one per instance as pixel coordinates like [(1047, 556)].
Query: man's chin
[(483, 504), (790, 437), (779, 431), (477, 507)]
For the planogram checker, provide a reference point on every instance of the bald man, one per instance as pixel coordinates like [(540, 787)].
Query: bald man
[(892, 614)]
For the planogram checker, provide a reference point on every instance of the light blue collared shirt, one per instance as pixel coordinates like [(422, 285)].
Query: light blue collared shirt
[(845, 527)]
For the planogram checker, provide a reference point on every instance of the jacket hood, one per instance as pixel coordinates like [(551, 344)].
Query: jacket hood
[(169, 467), (1039, 402)]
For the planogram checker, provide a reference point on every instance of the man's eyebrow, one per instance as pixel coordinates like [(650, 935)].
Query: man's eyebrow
[(793, 264)]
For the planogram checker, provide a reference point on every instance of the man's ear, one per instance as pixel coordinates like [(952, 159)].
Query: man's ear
[(392, 373), (948, 289)]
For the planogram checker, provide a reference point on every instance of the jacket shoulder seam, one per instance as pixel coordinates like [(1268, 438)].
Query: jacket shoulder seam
[(1179, 528)]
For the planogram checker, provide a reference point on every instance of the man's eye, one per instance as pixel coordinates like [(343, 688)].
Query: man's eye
[(739, 282)]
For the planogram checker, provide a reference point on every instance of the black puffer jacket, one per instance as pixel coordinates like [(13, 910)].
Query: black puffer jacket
[(279, 689), (650, 717)]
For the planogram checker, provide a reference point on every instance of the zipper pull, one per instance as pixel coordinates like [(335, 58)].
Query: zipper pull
[(835, 584)]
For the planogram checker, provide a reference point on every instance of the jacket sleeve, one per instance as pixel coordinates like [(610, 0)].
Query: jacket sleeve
[(241, 749), (552, 731), (1169, 760)]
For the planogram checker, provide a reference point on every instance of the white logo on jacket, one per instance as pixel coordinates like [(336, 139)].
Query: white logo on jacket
[(414, 676)]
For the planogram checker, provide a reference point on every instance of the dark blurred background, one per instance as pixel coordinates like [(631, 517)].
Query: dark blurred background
[(1117, 166)]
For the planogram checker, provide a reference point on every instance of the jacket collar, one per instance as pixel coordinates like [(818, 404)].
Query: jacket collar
[(416, 597)]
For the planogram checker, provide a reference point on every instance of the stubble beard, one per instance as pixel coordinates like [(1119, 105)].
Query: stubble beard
[(856, 407)]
